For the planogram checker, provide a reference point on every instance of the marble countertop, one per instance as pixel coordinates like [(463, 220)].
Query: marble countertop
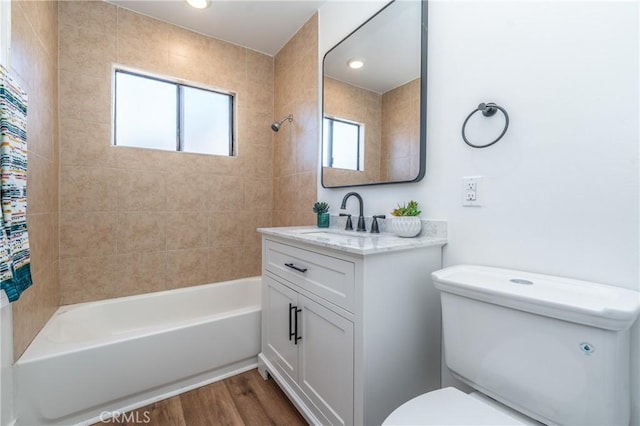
[(361, 243)]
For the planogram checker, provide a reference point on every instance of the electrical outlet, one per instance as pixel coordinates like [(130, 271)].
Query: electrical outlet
[(471, 191)]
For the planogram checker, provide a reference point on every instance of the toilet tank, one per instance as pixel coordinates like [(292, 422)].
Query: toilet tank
[(555, 349)]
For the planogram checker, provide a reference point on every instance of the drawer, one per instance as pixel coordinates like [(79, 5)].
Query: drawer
[(328, 277)]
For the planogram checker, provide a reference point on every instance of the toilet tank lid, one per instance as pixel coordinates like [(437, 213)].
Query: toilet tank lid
[(584, 302)]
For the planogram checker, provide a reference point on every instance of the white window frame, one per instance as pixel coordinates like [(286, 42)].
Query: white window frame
[(361, 130), (172, 80)]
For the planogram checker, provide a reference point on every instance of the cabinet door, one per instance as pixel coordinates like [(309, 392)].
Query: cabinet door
[(277, 317), (326, 361)]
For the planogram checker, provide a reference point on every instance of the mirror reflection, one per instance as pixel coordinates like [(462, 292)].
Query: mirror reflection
[(372, 100)]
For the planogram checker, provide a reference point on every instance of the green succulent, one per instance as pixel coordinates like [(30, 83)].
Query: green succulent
[(410, 209), (320, 207)]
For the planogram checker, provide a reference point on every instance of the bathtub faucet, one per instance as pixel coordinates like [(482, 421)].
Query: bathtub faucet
[(361, 225)]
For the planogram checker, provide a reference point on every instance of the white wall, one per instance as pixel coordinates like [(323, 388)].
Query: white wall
[(5, 32), (6, 360), (6, 330), (562, 187)]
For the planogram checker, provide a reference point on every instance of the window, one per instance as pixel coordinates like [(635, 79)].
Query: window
[(342, 145), (155, 113)]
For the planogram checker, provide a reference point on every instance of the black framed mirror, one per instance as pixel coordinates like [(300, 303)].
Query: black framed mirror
[(374, 100)]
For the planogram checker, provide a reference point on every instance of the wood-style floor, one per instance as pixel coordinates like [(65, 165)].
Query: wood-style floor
[(245, 399)]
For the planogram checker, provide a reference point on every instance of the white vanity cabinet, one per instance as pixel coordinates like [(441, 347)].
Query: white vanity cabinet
[(349, 333), (321, 367)]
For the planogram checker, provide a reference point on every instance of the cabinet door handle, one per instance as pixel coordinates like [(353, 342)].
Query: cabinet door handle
[(291, 333), (295, 327), (292, 266)]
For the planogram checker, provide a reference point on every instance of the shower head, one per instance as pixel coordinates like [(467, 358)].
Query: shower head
[(276, 126)]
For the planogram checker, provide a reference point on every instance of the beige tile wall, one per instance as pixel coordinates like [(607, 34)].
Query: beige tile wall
[(295, 156), (134, 220), (392, 126), (34, 61), (401, 132), (353, 103)]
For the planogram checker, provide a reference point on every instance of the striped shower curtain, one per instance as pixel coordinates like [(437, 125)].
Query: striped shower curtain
[(15, 272)]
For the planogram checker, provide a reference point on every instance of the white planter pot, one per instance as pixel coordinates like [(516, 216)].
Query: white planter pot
[(406, 226)]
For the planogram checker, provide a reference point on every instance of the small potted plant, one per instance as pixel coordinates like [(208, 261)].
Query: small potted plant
[(406, 222), (322, 210)]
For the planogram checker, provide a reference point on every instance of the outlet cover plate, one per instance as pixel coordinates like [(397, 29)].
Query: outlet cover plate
[(472, 191)]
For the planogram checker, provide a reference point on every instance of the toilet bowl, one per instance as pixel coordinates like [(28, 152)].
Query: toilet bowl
[(537, 348), (450, 406)]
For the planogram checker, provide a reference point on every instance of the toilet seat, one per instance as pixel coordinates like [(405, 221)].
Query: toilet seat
[(448, 406)]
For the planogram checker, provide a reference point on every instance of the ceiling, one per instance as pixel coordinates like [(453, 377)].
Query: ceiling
[(262, 25)]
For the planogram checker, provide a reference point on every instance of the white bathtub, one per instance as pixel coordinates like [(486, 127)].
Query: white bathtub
[(119, 354)]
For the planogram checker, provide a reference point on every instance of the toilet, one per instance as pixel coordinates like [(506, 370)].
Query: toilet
[(536, 348)]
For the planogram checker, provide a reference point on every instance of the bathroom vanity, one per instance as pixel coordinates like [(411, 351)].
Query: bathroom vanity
[(350, 320)]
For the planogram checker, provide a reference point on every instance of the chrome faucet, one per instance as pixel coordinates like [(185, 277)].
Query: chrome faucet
[(361, 226)]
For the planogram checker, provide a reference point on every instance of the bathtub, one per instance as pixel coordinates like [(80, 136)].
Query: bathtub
[(97, 358)]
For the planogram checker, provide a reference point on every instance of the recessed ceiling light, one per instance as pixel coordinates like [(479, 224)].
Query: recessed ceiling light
[(199, 4), (355, 64)]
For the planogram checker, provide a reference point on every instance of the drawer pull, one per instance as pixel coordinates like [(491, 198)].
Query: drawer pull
[(292, 266)]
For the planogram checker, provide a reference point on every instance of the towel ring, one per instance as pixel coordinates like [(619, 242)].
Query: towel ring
[(488, 110)]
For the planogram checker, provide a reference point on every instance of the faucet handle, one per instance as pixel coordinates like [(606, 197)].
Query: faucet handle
[(374, 224), (349, 225)]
